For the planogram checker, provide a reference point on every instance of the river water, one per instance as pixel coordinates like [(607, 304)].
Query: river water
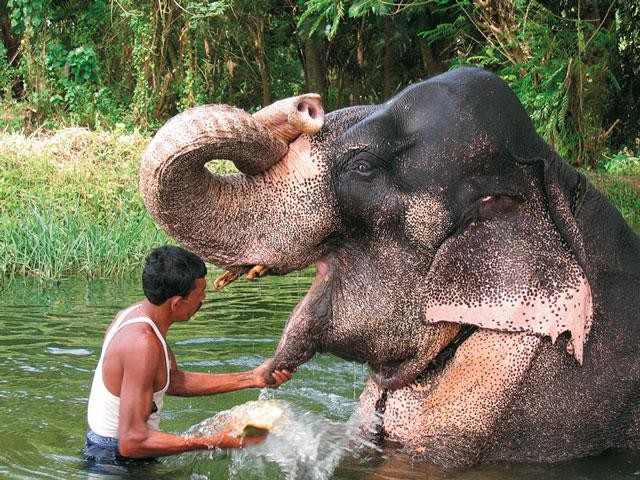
[(50, 339)]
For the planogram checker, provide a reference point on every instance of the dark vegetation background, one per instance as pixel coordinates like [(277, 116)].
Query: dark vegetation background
[(574, 64), (123, 67)]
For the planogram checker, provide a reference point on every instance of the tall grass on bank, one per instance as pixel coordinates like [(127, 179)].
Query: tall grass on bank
[(69, 203), (48, 246)]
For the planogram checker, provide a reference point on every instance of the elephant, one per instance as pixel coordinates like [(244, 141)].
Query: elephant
[(489, 286)]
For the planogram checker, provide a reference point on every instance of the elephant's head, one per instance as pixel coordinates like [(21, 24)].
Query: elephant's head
[(438, 208)]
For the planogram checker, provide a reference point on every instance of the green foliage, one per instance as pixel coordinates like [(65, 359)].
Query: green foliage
[(141, 51), (623, 192), (329, 12), (55, 59), (83, 64), (627, 18), (556, 62), (362, 8), (626, 199), (626, 110), (199, 10), (447, 30), (5, 73), (621, 163), (27, 14)]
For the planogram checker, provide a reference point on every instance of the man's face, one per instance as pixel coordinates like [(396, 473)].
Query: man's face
[(190, 304)]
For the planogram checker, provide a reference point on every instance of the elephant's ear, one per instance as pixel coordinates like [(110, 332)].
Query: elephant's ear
[(511, 269)]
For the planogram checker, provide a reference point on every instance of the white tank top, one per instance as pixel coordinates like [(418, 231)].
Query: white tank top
[(104, 407)]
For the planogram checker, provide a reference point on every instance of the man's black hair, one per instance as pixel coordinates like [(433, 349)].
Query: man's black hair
[(170, 271)]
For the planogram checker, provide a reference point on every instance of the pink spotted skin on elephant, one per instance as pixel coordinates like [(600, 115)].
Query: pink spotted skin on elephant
[(437, 210)]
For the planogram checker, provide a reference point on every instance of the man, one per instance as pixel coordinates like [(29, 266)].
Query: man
[(137, 367)]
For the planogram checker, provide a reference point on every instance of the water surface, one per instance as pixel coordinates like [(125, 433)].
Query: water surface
[(50, 339)]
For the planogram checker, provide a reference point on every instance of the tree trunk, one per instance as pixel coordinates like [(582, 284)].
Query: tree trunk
[(11, 43), (314, 65), (257, 33), (388, 60)]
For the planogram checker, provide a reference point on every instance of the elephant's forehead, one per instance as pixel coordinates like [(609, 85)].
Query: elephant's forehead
[(452, 125), (450, 157), (426, 146)]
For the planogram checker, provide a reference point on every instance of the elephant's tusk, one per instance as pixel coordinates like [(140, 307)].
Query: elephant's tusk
[(225, 279), (257, 271)]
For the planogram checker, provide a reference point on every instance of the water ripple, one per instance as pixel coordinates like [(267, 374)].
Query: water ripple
[(194, 341), (69, 351)]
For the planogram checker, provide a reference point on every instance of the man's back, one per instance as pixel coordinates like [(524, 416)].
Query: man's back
[(131, 339)]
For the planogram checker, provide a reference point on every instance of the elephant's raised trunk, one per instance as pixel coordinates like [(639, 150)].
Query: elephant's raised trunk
[(226, 219)]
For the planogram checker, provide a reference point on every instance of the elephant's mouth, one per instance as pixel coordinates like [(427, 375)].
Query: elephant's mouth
[(311, 328), (303, 335), (396, 374), (386, 374)]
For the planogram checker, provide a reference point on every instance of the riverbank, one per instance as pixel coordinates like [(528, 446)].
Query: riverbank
[(69, 203)]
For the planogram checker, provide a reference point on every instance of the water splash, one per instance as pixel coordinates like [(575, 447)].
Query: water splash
[(300, 444)]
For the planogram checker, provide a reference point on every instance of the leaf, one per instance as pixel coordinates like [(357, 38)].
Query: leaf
[(253, 431)]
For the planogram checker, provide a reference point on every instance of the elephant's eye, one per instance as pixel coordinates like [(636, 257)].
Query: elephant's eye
[(362, 166)]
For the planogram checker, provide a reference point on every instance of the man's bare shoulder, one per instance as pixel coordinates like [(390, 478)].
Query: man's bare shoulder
[(134, 348), (134, 337), (138, 335), (132, 312)]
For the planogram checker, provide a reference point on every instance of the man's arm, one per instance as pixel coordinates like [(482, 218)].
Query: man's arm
[(188, 384), (137, 440)]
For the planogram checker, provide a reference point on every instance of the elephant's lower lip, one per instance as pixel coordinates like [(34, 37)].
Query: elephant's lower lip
[(385, 370), (298, 344), (394, 374)]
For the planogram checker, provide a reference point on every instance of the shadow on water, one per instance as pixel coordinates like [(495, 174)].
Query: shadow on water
[(50, 339)]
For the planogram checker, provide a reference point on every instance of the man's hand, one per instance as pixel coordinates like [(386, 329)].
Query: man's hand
[(278, 376)]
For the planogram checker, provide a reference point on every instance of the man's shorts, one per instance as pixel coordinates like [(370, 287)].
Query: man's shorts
[(101, 449), (101, 456)]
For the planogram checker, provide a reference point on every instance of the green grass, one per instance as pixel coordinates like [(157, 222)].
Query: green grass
[(69, 204), (49, 246)]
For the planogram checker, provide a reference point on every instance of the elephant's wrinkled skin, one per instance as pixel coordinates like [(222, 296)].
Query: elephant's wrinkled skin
[(439, 208)]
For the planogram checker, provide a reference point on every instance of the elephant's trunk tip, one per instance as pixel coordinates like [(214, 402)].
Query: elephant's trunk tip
[(290, 117), (308, 114)]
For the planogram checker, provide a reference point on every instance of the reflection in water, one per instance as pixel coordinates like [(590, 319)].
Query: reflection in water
[(50, 339)]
